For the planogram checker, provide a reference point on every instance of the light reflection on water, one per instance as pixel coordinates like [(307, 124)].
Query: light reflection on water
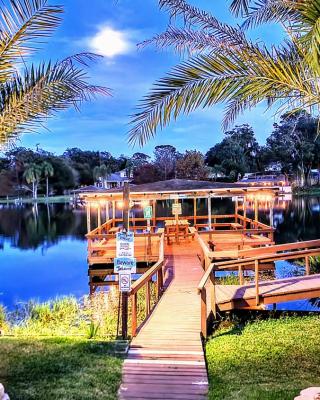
[(43, 251)]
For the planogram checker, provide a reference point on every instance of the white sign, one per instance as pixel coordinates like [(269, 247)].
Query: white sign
[(125, 244), (125, 265), (176, 209), (125, 282)]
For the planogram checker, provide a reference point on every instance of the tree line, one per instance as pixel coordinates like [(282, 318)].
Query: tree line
[(292, 148)]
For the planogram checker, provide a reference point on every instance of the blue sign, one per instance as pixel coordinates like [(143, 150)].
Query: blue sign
[(124, 264)]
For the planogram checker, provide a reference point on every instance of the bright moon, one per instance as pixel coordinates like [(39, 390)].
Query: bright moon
[(109, 43)]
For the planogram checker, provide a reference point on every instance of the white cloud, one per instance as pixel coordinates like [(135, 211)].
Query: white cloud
[(110, 42)]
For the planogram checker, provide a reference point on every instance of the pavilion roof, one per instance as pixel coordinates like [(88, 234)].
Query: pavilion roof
[(182, 186)]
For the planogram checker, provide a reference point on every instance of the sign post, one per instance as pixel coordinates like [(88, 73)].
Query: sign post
[(124, 265)]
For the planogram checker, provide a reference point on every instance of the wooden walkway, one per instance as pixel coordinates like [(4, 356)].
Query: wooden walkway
[(229, 297), (166, 359)]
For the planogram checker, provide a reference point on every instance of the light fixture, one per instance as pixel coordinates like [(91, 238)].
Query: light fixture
[(120, 204)]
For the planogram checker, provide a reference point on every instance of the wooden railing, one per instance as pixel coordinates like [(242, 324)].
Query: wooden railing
[(157, 270), (290, 251)]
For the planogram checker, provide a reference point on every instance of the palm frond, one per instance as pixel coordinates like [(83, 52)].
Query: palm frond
[(184, 40), (240, 7), (26, 101), (23, 24), (193, 16), (241, 79), (265, 11)]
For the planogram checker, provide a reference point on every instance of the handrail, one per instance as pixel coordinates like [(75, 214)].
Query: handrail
[(274, 256), (145, 280), (278, 252)]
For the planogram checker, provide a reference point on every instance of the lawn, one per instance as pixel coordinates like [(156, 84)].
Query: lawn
[(59, 368), (265, 360)]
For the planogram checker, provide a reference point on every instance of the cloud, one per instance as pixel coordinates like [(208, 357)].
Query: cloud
[(110, 42)]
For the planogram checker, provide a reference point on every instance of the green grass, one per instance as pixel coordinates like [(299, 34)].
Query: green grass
[(267, 360), (307, 191), (59, 368)]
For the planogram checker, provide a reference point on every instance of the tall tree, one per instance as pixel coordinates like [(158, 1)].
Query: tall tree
[(192, 166), (47, 171), (295, 145), (165, 159), (38, 92), (32, 175), (225, 65)]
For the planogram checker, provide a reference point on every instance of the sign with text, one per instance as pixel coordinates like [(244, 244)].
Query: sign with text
[(125, 282), (176, 209), (125, 265), (147, 212), (125, 244)]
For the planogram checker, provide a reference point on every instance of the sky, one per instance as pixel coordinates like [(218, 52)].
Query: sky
[(113, 28)]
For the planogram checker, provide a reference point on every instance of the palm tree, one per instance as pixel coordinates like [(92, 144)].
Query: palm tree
[(47, 171), (224, 65), (32, 174), (29, 97)]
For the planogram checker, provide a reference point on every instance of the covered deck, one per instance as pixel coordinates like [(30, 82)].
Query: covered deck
[(224, 234)]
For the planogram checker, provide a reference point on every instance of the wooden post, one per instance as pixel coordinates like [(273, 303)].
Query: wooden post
[(177, 222), (213, 293), (154, 218), (126, 201), (244, 213), (256, 278), (159, 283), (99, 217), (209, 213), (194, 211), (113, 213), (204, 312), (134, 315), (124, 315), (148, 302), (88, 217), (107, 211), (256, 210), (307, 265), (236, 208), (240, 273)]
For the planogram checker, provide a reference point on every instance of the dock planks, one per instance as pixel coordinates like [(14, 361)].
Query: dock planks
[(229, 297), (166, 359)]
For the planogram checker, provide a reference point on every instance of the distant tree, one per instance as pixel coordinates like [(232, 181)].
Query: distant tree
[(139, 159), (295, 145), (165, 159), (47, 171), (32, 175), (239, 152), (146, 173), (192, 166)]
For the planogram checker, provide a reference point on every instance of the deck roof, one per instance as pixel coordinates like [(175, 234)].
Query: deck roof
[(183, 187)]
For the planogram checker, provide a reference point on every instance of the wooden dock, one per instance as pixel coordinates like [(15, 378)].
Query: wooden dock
[(230, 297), (166, 359)]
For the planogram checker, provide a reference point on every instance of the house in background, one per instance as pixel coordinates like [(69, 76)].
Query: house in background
[(115, 179)]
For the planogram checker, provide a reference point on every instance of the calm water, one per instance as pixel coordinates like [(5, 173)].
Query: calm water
[(43, 249)]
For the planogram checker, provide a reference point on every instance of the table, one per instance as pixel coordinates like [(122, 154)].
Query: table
[(176, 226)]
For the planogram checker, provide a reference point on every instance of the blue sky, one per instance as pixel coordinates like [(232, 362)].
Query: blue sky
[(112, 28)]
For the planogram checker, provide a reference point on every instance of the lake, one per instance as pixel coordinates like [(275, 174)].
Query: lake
[(43, 248)]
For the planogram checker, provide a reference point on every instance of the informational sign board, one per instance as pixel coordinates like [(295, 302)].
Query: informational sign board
[(176, 209), (125, 244), (125, 265), (125, 282), (147, 212)]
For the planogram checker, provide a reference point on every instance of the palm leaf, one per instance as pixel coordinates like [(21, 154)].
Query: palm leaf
[(23, 24), (240, 78), (26, 101)]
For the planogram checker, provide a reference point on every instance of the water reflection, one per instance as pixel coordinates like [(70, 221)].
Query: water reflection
[(43, 249)]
